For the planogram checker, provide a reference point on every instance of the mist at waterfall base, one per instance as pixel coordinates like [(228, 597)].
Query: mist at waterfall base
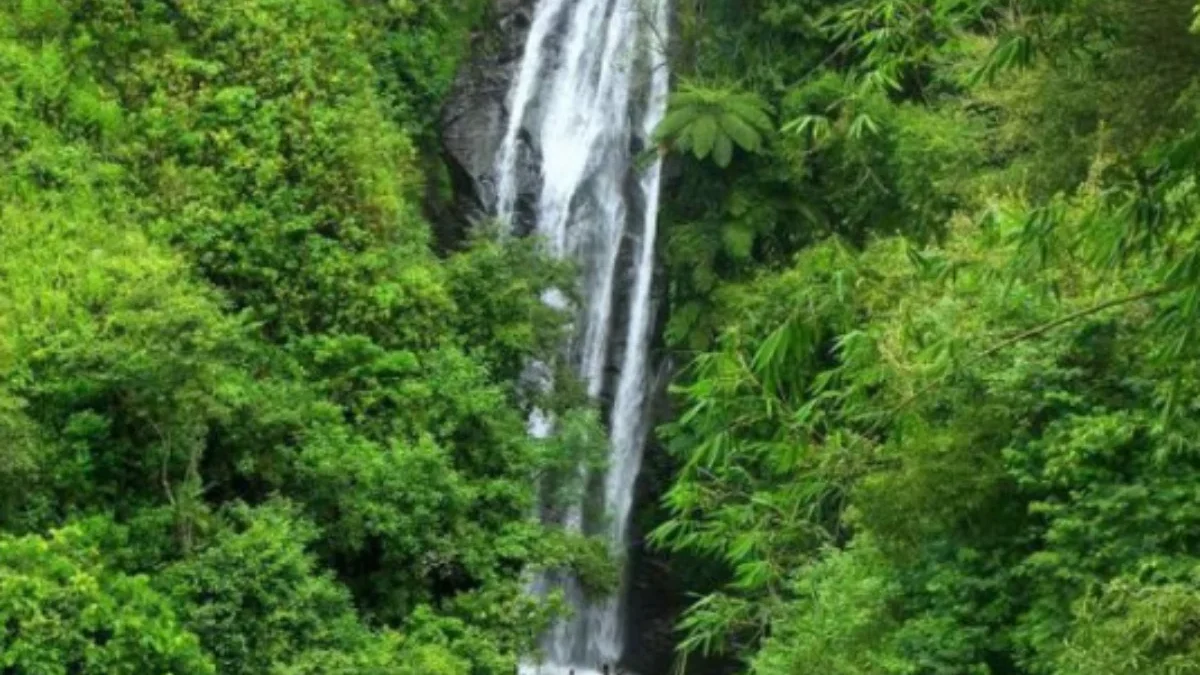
[(591, 86)]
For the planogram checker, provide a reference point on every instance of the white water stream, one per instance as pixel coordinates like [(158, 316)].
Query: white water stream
[(591, 86)]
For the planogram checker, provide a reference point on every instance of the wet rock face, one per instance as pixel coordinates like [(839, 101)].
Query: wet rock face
[(475, 114)]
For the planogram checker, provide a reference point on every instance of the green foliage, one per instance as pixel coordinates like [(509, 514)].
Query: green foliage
[(407, 41), (116, 356), (254, 596), (873, 415), (231, 361), (841, 605), (63, 613), (382, 657), (714, 121), (950, 429), (514, 325), (858, 152), (1132, 627)]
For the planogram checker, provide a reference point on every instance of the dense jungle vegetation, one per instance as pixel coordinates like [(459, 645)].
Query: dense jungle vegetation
[(249, 421), (939, 410), (933, 292)]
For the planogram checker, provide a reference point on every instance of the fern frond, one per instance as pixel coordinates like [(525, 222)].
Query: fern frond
[(741, 132), (723, 151), (704, 136), (753, 110), (675, 121)]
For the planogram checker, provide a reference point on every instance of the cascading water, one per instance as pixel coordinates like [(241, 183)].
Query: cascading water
[(591, 86)]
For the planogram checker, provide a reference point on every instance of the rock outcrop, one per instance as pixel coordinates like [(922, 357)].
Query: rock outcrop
[(476, 112)]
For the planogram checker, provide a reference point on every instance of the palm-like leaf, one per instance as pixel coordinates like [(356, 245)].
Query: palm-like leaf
[(723, 151), (741, 132), (704, 136), (715, 122)]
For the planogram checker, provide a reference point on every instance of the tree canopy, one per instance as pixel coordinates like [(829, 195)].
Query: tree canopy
[(939, 413), (250, 421)]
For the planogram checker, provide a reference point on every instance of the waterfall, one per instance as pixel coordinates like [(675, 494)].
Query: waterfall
[(590, 88)]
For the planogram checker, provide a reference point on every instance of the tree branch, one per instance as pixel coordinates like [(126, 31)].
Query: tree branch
[(1036, 331)]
